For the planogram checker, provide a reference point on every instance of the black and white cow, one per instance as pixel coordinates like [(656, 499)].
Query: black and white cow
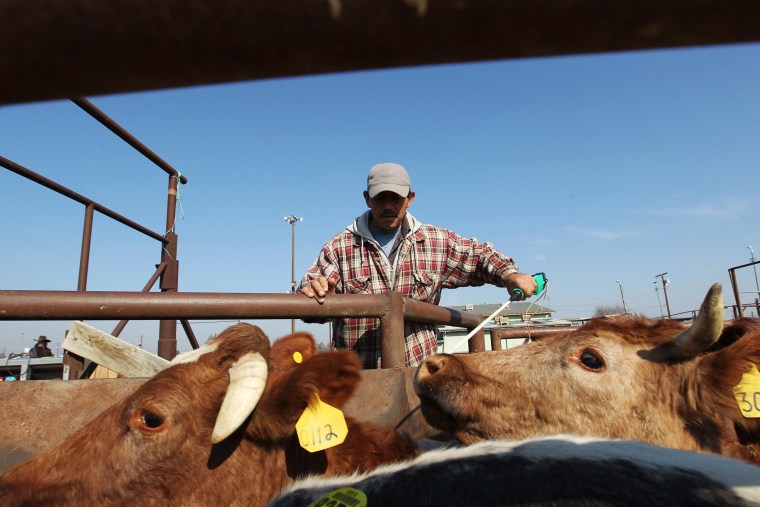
[(556, 471)]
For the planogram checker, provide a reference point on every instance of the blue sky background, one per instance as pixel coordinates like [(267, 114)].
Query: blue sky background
[(590, 168)]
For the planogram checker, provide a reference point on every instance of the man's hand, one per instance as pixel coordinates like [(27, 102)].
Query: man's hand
[(318, 288), (522, 281)]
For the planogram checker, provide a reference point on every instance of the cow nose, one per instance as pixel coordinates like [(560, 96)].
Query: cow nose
[(432, 365)]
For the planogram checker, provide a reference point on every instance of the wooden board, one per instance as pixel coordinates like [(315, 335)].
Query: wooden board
[(112, 353)]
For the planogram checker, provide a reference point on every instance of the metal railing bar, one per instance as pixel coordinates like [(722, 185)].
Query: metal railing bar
[(189, 332), (151, 282), (125, 136), (97, 305), (420, 311), (56, 187)]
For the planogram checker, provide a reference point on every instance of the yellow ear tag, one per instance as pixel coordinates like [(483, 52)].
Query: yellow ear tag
[(747, 393), (343, 497), (297, 357), (321, 426)]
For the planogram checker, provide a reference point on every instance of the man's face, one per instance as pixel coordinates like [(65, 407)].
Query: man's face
[(388, 209)]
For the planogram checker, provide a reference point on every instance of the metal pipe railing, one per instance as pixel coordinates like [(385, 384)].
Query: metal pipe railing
[(526, 332), (390, 308), (84, 256), (103, 305), (57, 187), (419, 311), (125, 136)]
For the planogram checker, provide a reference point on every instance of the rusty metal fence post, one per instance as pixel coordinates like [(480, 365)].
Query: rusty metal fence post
[(392, 332), (167, 330)]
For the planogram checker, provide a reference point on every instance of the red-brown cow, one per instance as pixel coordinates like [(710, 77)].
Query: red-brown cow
[(155, 446), (624, 378)]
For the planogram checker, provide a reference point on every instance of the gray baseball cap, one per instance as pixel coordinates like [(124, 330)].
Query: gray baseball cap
[(388, 177)]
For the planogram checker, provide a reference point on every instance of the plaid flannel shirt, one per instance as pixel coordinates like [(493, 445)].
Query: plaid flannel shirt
[(425, 260)]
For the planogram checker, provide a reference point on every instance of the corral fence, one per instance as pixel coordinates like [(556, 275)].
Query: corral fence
[(739, 307), (170, 305), (176, 43)]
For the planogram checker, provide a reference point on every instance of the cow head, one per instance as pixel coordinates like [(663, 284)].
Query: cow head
[(625, 377), (215, 428)]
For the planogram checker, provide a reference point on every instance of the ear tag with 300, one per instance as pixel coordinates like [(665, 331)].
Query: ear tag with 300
[(747, 393)]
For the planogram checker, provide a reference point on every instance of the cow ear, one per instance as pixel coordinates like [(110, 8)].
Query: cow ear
[(289, 351), (331, 375), (729, 386), (334, 376)]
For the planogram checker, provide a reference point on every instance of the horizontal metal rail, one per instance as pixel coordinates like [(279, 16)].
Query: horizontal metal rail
[(533, 333), (390, 308), (57, 187), (419, 311), (125, 136), (102, 305)]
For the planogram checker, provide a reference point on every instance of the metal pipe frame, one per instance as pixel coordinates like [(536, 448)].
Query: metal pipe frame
[(432, 314), (123, 323), (125, 136), (531, 332), (739, 310), (167, 329), (57, 187), (84, 256), (106, 305), (391, 308)]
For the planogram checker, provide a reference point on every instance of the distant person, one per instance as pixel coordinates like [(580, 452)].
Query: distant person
[(387, 249), (41, 349)]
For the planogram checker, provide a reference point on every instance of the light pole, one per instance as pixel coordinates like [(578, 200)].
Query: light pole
[(625, 312), (292, 219), (659, 303), (665, 283)]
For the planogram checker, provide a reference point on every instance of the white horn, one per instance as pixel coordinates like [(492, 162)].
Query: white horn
[(706, 328), (193, 355), (248, 376)]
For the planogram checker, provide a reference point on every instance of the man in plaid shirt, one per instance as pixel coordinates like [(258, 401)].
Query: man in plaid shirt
[(387, 249)]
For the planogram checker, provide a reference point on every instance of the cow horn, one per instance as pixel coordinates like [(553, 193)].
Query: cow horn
[(706, 328), (248, 376), (193, 355)]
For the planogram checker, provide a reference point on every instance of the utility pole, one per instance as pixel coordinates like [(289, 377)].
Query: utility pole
[(754, 268), (665, 283), (659, 303), (625, 312), (292, 219)]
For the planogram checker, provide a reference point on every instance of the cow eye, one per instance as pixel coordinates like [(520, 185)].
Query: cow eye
[(152, 420), (147, 420), (591, 360)]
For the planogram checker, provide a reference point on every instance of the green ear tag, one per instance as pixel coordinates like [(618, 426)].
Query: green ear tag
[(343, 497), (747, 393)]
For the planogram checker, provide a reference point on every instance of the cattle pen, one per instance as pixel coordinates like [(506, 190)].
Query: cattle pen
[(146, 48)]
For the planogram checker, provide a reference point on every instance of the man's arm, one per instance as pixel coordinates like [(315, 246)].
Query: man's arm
[(478, 263)]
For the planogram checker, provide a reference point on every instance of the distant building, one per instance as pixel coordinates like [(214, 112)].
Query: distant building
[(519, 314)]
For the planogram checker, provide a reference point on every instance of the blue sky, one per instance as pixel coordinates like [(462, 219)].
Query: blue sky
[(591, 168)]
